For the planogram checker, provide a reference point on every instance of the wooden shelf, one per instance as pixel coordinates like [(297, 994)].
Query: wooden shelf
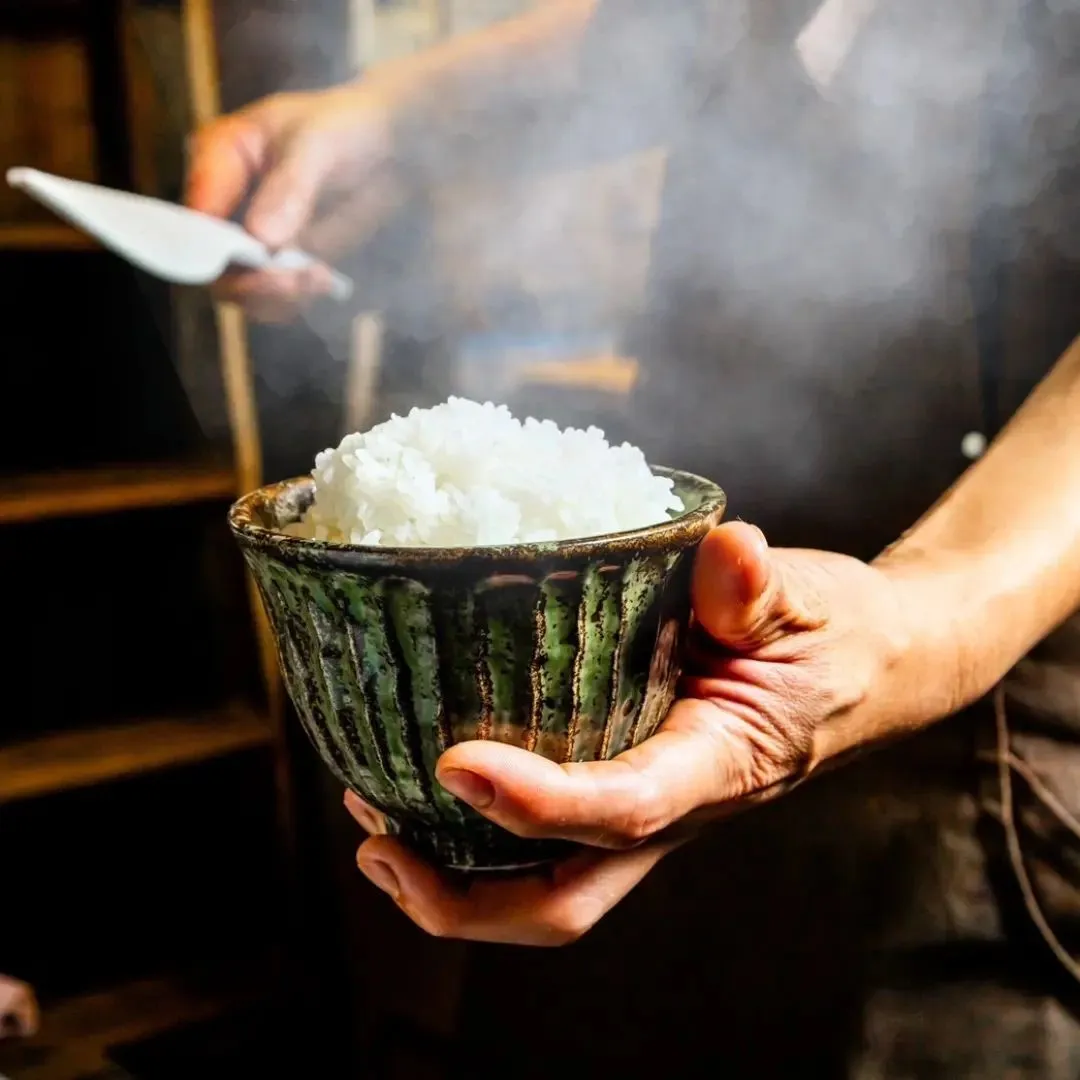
[(49, 236), (65, 760), (76, 1035), (107, 490)]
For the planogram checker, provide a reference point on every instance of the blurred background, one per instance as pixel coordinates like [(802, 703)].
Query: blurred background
[(176, 871)]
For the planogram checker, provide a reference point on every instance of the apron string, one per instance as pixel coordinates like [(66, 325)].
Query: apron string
[(1005, 765), (1065, 818)]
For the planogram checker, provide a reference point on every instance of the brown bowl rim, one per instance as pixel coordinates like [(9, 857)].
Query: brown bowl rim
[(680, 532)]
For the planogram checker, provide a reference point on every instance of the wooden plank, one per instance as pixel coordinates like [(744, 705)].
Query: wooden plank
[(204, 90), (47, 236), (77, 1034), (204, 79), (109, 490), (361, 378), (144, 111), (200, 37), (66, 760), (201, 42), (45, 117), (606, 374)]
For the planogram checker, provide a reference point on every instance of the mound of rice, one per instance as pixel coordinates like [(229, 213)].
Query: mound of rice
[(464, 474)]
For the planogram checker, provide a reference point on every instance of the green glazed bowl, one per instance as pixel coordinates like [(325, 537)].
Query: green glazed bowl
[(392, 655)]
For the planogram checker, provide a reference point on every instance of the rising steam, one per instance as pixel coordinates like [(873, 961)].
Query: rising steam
[(829, 167)]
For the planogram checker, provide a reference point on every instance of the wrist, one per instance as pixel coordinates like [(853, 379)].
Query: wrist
[(905, 665), (428, 118), (937, 671)]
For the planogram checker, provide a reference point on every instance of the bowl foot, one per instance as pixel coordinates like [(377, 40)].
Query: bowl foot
[(481, 849)]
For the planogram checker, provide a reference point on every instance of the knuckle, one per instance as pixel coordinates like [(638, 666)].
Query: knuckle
[(540, 819), (641, 826), (305, 141), (644, 816), (211, 135), (309, 151)]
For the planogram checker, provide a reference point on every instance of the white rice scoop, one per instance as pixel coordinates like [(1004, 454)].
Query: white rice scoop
[(169, 241)]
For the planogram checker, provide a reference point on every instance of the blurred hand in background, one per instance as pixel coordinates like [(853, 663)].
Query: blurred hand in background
[(325, 171), (19, 1014), (316, 171)]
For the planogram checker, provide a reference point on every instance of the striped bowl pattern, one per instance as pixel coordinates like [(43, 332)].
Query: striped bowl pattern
[(570, 650)]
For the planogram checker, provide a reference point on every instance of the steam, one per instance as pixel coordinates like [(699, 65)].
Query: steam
[(847, 149), (837, 166)]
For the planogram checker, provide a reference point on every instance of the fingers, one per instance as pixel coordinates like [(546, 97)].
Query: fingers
[(286, 198), (367, 817), (541, 910), (225, 158), (262, 151), (291, 155), (27, 1015), (18, 1009), (734, 584), (353, 220), (278, 296), (692, 761), (741, 596)]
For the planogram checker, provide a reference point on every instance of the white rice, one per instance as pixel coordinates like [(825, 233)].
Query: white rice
[(465, 475)]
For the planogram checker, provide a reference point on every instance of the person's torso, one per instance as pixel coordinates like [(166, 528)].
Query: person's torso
[(810, 340), (809, 337)]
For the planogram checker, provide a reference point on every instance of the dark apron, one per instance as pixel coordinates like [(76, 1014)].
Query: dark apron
[(1026, 284), (907, 918)]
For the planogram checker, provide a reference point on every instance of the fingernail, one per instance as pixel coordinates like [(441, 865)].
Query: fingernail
[(469, 787), (362, 814), (380, 874)]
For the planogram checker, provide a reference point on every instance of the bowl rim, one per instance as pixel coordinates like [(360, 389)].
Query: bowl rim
[(678, 532)]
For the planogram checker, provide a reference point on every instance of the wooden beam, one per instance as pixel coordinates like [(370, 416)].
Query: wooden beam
[(81, 492), (78, 758), (200, 36), (47, 236), (615, 375)]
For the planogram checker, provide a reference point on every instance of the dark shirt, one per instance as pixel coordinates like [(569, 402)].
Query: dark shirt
[(809, 338), (843, 285)]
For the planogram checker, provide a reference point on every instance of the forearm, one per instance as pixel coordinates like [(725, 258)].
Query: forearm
[(995, 566), (454, 95), (571, 83)]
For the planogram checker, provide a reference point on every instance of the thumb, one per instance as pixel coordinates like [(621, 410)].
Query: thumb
[(742, 597)]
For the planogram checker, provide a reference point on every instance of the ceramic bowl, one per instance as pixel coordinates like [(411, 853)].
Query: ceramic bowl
[(392, 655)]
